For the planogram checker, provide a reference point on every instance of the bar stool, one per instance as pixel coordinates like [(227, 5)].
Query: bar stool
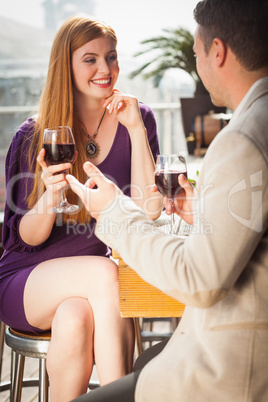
[(4, 385), (25, 344), (145, 332)]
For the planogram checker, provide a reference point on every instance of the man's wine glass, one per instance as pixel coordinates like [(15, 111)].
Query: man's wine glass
[(59, 145), (167, 171)]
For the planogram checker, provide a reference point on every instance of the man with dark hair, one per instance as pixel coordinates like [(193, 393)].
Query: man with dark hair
[(242, 25), (219, 351)]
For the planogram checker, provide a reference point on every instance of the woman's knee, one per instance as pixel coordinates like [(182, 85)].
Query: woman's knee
[(72, 334), (108, 283), (110, 271), (73, 316)]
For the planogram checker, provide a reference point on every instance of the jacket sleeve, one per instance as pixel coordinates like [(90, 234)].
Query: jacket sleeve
[(230, 219)]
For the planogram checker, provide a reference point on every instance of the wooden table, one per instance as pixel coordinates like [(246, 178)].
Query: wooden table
[(140, 299)]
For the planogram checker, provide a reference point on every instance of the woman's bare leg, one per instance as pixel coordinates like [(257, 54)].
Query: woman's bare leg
[(71, 345), (121, 343), (55, 292)]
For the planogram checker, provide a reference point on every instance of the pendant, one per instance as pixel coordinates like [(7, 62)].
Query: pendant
[(92, 148)]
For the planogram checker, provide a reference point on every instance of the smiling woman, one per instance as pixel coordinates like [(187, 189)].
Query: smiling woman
[(95, 68), (95, 72), (42, 255)]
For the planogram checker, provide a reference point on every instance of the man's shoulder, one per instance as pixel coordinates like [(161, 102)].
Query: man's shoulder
[(253, 123)]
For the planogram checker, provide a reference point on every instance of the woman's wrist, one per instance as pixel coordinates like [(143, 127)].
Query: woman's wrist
[(138, 131), (46, 202)]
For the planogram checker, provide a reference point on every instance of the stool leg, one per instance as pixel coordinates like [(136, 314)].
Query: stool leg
[(12, 373), (138, 335), (16, 385), (43, 378), (175, 322)]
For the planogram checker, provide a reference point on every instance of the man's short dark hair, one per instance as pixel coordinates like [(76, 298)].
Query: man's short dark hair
[(241, 24)]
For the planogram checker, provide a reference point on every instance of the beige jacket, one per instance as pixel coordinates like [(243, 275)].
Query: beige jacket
[(219, 352)]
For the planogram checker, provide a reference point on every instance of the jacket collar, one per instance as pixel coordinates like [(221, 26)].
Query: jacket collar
[(257, 90)]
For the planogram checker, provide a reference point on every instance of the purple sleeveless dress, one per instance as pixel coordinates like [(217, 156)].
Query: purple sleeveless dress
[(69, 239)]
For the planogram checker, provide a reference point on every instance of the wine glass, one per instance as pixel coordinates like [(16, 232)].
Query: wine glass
[(59, 145), (167, 171)]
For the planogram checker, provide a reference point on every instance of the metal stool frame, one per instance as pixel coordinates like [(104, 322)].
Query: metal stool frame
[(23, 345)]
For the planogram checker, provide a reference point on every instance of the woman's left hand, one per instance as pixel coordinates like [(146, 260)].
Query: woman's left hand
[(125, 107)]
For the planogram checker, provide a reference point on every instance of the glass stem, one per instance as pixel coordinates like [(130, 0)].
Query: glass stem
[(172, 220), (64, 201)]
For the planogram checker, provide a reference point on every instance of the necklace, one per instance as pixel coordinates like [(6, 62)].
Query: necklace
[(92, 147)]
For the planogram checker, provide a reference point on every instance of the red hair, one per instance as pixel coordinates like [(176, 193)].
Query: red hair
[(56, 107)]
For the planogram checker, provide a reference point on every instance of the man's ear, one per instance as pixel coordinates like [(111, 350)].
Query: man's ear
[(220, 51)]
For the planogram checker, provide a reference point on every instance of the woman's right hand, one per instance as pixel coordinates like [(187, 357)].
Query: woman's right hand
[(36, 225), (53, 177)]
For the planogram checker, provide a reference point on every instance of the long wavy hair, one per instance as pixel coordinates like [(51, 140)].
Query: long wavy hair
[(56, 106)]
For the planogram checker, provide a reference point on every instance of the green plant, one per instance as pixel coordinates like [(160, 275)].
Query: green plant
[(192, 181), (174, 49)]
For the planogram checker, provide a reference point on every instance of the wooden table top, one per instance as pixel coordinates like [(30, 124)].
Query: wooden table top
[(140, 299)]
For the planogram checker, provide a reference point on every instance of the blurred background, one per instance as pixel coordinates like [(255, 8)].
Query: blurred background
[(27, 29)]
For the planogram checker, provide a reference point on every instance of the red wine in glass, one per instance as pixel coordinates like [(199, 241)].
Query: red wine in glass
[(167, 183), (59, 145), (167, 171), (59, 153)]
